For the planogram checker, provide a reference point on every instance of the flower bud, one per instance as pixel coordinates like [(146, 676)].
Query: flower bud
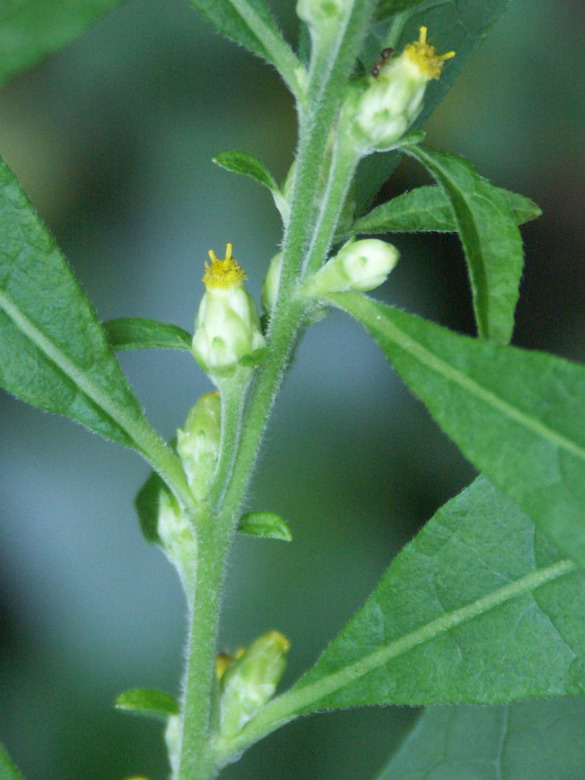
[(227, 328), (361, 265), (177, 539), (198, 442), (250, 680), (271, 282), (392, 99)]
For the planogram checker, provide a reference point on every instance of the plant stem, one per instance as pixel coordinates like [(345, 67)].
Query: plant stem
[(308, 210), (195, 761)]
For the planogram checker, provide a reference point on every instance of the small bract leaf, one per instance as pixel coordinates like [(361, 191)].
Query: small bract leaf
[(246, 165), (427, 209), (147, 506), (265, 524), (149, 702), (138, 333)]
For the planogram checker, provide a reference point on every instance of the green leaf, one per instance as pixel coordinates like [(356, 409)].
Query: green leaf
[(490, 238), (265, 524), (246, 165), (538, 740), (30, 29), (427, 209), (147, 506), (459, 25), (53, 351), (519, 416), (149, 702), (138, 333), (8, 769), (476, 609), (250, 23)]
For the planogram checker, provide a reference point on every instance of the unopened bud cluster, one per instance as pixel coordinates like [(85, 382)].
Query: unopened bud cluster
[(361, 265), (198, 442), (385, 109), (198, 445), (249, 680), (227, 327)]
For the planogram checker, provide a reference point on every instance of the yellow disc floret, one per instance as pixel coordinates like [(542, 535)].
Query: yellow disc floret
[(426, 57), (223, 273)]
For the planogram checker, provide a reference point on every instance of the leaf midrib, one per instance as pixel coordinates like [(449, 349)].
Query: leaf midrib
[(488, 396), (138, 431), (367, 311), (298, 698)]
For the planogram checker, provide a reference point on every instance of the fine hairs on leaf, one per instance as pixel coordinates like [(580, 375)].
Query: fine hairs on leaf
[(482, 607)]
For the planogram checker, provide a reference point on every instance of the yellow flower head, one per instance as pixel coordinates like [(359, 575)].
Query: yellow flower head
[(223, 273), (426, 57)]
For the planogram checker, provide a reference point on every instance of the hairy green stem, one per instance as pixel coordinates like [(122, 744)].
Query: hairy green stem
[(343, 165), (195, 761), (310, 210)]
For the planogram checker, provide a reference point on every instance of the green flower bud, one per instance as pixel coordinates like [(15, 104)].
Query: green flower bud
[(271, 282), (385, 109), (227, 328), (177, 539), (250, 680), (361, 265), (198, 442)]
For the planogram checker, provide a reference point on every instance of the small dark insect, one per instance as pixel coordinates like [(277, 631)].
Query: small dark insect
[(384, 54)]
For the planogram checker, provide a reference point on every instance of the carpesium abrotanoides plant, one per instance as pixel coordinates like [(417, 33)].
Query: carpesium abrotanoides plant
[(484, 606)]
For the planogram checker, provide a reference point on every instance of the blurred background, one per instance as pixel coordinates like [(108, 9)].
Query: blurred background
[(113, 139)]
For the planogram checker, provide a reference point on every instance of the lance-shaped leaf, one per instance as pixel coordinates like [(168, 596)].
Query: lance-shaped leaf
[(539, 740), (138, 333), (246, 165), (53, 351), (250, 23), (490, 238), (427, 209), (149, 702), (475, 609), (8, 769), (519, 416), (265, 525), (30, 29), (459, 25)]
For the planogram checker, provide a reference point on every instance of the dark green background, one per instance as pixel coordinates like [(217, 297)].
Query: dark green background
[(112, 138)]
